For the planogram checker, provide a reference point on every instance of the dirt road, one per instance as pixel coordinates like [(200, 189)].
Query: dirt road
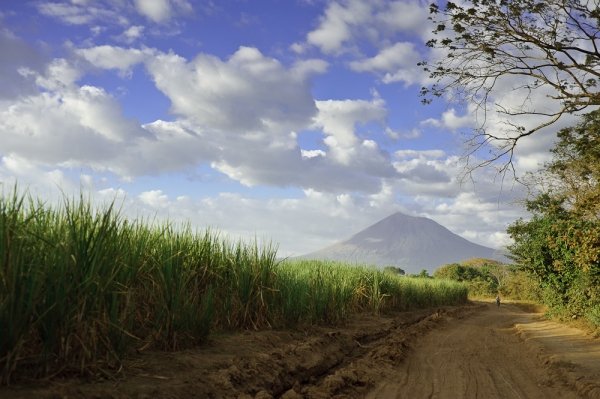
[(475, 351), (483, 357)]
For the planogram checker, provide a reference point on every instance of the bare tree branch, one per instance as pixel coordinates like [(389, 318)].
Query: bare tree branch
[(545, 46)]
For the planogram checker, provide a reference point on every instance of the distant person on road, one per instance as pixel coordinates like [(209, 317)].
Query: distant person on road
[(498, 300)]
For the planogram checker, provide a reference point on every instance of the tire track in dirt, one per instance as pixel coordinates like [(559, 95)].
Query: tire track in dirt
[(480, 357), (471, 351), (317, 361)]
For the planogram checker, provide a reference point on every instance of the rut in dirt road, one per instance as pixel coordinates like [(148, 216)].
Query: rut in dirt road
[(469, 351), (479, 357)]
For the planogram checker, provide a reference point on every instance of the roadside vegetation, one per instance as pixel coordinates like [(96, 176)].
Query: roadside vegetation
[(556, 252), (559, 246), (485, 278), (80, 288), (541, 44)]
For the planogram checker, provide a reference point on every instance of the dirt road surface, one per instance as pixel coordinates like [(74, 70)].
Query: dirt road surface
[(474, 351), (488, 356)]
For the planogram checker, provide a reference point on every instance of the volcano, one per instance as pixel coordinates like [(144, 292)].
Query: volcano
[(411, 243)]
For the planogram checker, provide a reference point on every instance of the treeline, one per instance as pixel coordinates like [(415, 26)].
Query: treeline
[(556, 252), (487, 277), (560, 245)]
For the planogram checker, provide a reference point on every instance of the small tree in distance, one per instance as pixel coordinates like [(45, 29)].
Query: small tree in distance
[(394, 270)]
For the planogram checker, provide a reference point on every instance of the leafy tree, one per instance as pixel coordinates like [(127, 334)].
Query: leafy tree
[(394, 270), (422, 274), (480, 262), (548, 47), (457, 272), (576, 167), (560, 244), (475, 275), (520, 285)]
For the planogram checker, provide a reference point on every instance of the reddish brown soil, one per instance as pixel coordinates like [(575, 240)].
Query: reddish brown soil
[(473, 351)]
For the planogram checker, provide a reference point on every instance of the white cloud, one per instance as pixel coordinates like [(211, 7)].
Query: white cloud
[(248, 92), (111, 57), (66, 124), (154, 198), (155, 10), (346, 22), (132, 33), (308, 68), (298, 48), (82, 14), (240, 116), (336, 25), (338, 119), (396, 63), (452, 121), (413, 133), (312, 153), (423, 154), (246, 110), (60, 74), (28, 175), (108, 13), (406, 16), (388, 59)]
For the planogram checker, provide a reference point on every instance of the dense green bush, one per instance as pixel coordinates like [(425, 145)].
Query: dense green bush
[(560, 245), (477, 279)]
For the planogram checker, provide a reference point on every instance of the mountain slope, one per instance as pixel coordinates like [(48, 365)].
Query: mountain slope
[(412, 243)]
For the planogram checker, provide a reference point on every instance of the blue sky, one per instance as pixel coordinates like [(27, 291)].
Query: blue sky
[(295, 121)]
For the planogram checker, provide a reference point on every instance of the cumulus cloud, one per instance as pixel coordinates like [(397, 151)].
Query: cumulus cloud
[(413, 133), (155, 10), (451, 120), (65, 123), (427, 172), (405, 16), (154, 198), (248, 91), (389, 58), (338, 119), (336, 26), (239, 115), (345, 22), (132, 34), (381, 28), (112, 57), (396, 63)]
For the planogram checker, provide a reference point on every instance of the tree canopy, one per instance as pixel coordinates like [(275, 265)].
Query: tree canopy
[(545, 48), (560, 244)]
